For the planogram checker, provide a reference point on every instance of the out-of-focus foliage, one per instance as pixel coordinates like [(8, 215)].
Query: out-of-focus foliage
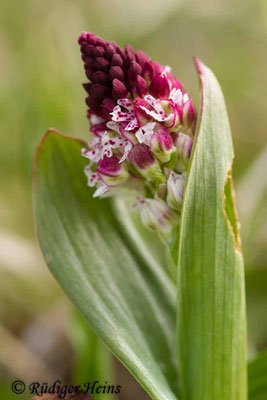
[(40, 79)]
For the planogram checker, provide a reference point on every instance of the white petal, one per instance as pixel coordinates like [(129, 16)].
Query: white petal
[(114, 126), (126, 103), (100, 190), (177, 96), (154, 114), (132, 125), (185, 98), (145, 133), (127, 149)]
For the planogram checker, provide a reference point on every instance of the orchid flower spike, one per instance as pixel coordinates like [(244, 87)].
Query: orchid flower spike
[(142, 124)]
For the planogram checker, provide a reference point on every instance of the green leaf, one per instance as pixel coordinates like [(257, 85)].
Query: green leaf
[(211, 297), (120, 289), (257, 377)]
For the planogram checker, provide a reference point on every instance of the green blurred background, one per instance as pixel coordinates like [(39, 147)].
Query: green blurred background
[(41, 72)]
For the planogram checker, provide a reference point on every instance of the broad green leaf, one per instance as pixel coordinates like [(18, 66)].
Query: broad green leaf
[(126, 297), (257, 377), (211, 296)]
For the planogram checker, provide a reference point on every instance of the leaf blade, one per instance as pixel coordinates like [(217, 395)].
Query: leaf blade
[(211, 303), (102, 271)]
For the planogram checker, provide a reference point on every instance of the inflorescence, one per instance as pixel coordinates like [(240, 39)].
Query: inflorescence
[(142, 123)]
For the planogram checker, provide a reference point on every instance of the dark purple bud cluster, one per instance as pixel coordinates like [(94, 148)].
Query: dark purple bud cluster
[(113, 72)]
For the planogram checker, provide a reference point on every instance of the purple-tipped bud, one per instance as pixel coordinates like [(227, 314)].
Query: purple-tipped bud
[(141, 57), (110, 50), (117, 60), (93, 102), (119, 90), (111, 172), (140, 87), (160, 87), (87, 87), (89, 63), (146, 164), (98, 91), (183, 145), (148, 71), (100, 77), (101, 64), (106, 108), (99, 51), (162, 145), (188, 114), (134, 70), (175, 188), (116, 73)]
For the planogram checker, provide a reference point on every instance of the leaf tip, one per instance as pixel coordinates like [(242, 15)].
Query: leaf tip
[(199, 64)]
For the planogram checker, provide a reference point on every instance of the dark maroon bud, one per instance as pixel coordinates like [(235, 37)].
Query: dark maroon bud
[(101, 42), (104, 113), (82, 38), (83, 56), (98, 91), (101, 64), (110, 50), (89, 62), (117, 60), (120, 52), (99, 51), (100, 77), (93, 40), (140, 87), (89, 50), (135, 69), (92, 102), (109, 104), (119, 89), (116, 72), (106, 108), (87, 87), (141, 57), (83, 47), (129, 51), (89, 73)]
